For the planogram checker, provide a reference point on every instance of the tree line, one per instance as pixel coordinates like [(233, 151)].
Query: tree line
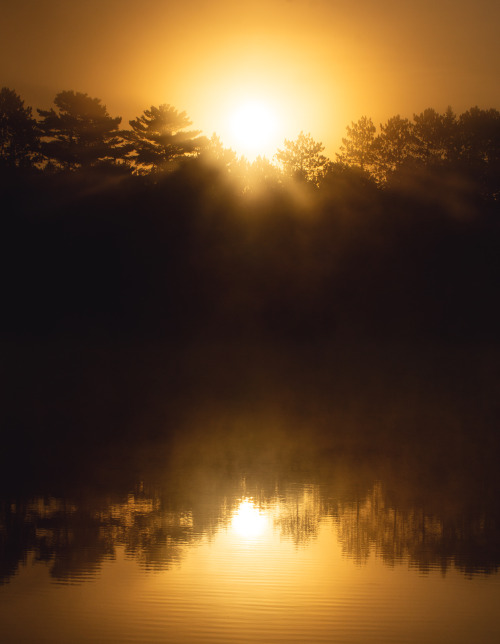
[(158, 231), (79, 133)]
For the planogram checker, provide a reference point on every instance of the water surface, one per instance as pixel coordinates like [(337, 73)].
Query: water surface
[(305, 507)]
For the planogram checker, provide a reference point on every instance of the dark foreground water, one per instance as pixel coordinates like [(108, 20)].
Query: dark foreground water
[(213, 496)]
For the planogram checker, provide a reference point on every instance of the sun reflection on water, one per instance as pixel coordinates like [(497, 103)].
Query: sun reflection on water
[(249, 521)]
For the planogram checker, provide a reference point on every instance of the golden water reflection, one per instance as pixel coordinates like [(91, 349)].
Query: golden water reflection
[(156, 528), (249, 521)]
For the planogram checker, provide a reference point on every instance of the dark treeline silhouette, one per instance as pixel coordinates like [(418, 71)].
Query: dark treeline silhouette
[(465, 147), (159, 237), (79, 133), (158, 231)]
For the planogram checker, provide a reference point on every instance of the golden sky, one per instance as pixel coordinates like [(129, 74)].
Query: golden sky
[(316, 64)]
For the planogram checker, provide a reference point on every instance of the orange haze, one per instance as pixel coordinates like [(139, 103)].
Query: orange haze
[(319, 63)]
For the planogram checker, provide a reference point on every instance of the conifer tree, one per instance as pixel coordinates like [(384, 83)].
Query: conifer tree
[(159, 136), (358, 147), (80, 132), (302, 158), (19, 135)]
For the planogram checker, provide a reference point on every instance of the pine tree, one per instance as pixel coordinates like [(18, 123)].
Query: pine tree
[(358, 147), (19, 135), (302, 158), (159, 136), (80, 133)]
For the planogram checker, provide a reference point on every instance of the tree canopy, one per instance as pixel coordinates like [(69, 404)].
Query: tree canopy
[(358, 147), (395, 144), (302, 158), (160, 135), (467, 145), (19, 135), (80, 132)]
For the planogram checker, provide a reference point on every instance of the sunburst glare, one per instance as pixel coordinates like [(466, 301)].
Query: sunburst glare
[(253, 128), (248, 521)]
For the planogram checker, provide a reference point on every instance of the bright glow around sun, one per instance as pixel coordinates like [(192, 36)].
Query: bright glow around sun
[(253, 129), (248, 521)]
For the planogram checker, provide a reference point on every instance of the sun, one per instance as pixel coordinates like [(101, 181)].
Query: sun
[(253, 128)]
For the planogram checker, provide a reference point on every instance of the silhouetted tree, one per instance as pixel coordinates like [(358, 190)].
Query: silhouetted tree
[(436, 136), (227, 160), (358, 148), (159, 136), (345, 181), (19, 135), (80, 133), (215, 152), (260, 174), (302, 158), (479, 135), (394, 146)]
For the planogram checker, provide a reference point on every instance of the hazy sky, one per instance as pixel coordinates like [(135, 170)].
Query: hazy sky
[(318, 64)]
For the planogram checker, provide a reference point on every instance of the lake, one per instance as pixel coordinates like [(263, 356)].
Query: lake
[(152, 497)]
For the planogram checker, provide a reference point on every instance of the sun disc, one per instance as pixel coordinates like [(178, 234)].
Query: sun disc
[(253, 123)]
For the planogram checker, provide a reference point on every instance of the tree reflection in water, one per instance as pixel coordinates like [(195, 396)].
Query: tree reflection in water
[(156, 526), (151, 452)]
